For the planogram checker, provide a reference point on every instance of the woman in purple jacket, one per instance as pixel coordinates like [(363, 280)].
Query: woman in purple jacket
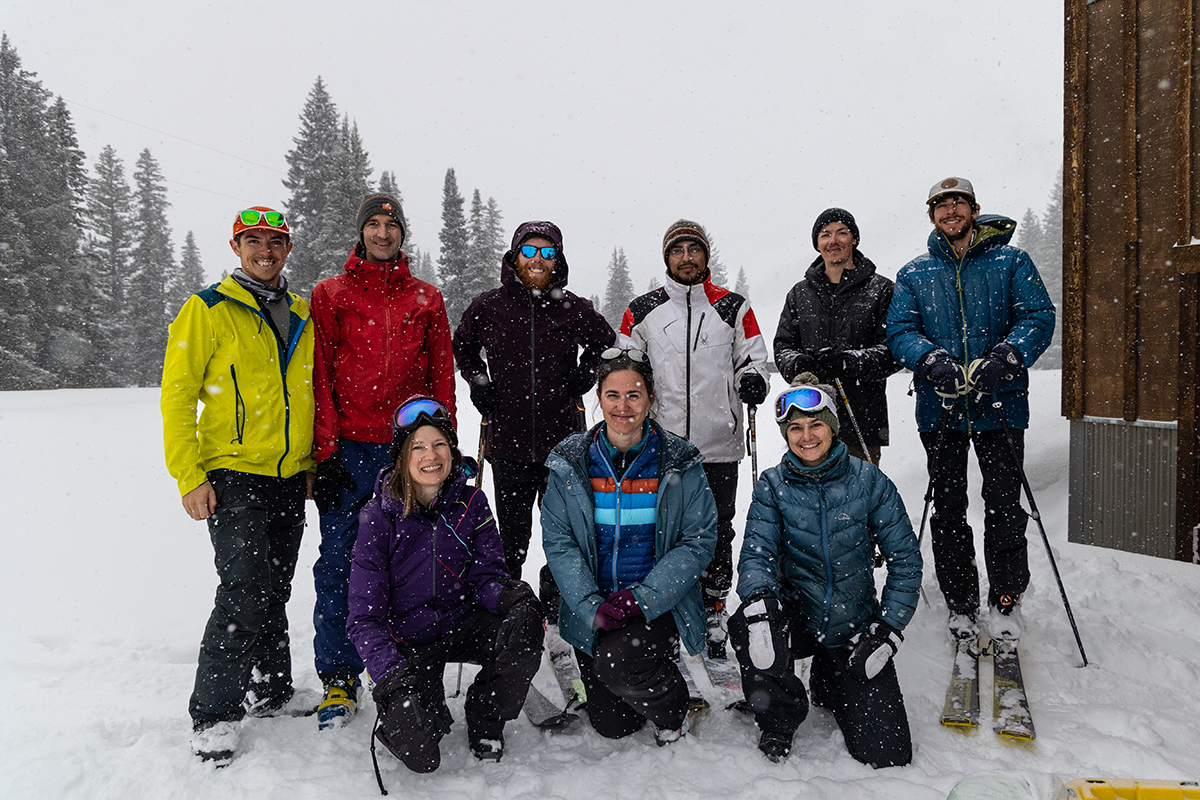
[(428, 586)]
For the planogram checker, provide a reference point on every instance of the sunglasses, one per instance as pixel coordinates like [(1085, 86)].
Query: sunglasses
[(411, 411), (633, 353), (802, 398), (548, 253), (274, 219)]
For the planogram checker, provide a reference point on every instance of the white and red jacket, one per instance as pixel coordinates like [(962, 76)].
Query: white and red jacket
[(701, 339)]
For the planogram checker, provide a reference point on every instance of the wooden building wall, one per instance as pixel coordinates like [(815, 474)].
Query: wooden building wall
[(1130, 268)]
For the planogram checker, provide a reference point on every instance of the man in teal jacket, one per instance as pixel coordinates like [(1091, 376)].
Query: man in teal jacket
[(969, 317)]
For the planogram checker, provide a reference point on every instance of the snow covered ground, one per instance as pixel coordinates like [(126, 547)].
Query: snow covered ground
[(107, 585)]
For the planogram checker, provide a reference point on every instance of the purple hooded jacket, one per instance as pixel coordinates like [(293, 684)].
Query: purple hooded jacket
[(413, 578), (532, 344)]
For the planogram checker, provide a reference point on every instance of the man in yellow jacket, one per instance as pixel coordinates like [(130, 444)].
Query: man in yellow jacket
[(243, 348)]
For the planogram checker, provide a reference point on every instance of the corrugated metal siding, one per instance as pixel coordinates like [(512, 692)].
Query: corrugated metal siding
[(1122, 485)]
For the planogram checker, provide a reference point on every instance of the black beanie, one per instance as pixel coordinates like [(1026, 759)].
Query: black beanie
[(835, 215), (382, 204)]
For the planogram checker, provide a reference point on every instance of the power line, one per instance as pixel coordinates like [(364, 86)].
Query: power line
[(173, 136)]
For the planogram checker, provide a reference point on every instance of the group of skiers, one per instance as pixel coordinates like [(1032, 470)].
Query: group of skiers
[(349, 400)]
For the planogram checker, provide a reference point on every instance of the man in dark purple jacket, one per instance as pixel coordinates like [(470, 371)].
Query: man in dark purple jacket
[(518, 348)]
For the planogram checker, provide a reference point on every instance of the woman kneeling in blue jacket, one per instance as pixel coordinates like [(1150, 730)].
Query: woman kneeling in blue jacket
[(805, 574), (628, 525), (428, 585)]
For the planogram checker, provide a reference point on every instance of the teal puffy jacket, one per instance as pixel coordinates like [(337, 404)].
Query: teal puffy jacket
[(808, 542), (685, 538), (994, 294)]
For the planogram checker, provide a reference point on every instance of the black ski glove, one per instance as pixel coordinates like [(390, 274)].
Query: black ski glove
[(332, 477), (831, 364), (986, 375), (948, 377), (759, 633), (752, 389), (580, 381), (872, 650), (484, 397), (521, 627)]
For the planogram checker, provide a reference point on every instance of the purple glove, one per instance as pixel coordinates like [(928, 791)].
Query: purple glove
[(615, 612)]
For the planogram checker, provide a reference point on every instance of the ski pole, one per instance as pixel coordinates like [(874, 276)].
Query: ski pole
[(483, 423), (752, 441), (937, 453), (850, 412), (1037, 517)]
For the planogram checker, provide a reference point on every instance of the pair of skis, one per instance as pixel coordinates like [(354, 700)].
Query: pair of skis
[(1012, 718)]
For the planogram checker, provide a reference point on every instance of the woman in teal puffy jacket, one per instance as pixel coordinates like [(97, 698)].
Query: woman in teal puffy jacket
[(628, 525), (805, 573)]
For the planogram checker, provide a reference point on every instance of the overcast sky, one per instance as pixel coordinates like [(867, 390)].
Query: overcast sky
[(612, 120)]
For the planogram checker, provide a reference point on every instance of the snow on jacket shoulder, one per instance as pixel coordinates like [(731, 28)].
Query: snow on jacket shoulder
[(257, 395), (808, 540), (408, 573), (850, 316), (701, 339), (381, 337), (684, 541), (1002, 298), (532, 349)]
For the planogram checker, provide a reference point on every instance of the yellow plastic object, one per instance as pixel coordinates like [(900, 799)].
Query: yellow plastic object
[(1096, 789)]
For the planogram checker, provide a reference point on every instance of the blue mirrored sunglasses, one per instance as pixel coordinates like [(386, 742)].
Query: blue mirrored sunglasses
[(411, 411), (803, 398), (548, 253)]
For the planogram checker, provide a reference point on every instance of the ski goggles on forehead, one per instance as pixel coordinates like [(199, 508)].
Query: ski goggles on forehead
[(548, 253), (411, 411), (273, 219), (806, 399), (633, 353)]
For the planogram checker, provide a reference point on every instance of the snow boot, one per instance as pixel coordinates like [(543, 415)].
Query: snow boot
[(666, 736), (1004, 618), (340, 701), (216, 740), (718, 626), (486, 748), (775, 746), (964, 627)]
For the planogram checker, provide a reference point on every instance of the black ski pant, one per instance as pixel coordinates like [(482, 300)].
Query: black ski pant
[(717, 579), (633, 678), (870, 715), (495, 696), (517, 485), (255, 533), (1004, 545)]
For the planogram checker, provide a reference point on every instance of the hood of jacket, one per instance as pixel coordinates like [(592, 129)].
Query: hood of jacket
[(991, 230), (388, 273), (510, 280)]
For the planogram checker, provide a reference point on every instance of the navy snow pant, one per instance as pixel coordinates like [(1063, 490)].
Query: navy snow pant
[(255, 533), (333, 651), (517, 485), (1004, 546), (717, 579), (870, 715), (633, 678)]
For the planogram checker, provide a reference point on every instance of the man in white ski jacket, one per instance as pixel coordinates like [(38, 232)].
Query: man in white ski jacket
[(708, 357)]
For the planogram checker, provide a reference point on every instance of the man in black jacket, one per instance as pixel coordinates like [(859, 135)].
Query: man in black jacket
[(518, 348), (833, 325)]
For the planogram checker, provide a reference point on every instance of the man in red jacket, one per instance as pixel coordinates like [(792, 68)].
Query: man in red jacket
[(381, 337)]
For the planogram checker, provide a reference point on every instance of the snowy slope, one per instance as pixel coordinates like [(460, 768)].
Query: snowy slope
[(107, 584)]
